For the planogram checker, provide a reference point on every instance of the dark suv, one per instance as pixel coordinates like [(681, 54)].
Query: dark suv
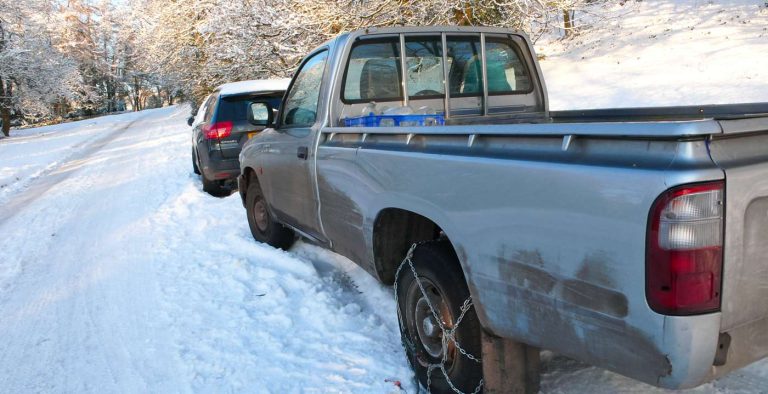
[(229, 117)]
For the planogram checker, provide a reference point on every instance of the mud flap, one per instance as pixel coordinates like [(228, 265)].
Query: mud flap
[(509, 366)]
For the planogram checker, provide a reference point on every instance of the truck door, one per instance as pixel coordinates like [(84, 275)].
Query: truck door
[(291, 158)]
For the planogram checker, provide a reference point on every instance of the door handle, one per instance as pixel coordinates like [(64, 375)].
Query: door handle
[(302, 152)]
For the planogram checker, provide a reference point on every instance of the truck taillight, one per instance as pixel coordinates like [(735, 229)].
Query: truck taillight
[(684, 256), (218, 130)]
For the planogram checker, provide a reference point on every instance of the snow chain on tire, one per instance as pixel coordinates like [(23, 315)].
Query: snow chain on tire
[(448, 334)]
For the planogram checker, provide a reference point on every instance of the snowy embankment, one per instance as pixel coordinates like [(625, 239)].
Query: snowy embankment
[(661, 52)]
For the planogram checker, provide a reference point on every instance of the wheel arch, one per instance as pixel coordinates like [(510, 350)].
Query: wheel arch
[(247, 176), (394, 231)]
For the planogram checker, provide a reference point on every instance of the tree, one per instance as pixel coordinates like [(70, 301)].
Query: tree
[(34, 76), (106, 51), (95, 37)]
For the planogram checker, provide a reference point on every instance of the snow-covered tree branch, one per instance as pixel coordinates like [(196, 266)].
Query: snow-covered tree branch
[(81, 57)]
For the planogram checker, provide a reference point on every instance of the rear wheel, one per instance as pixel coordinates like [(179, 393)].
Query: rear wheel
[(429, 309), (263, 226)]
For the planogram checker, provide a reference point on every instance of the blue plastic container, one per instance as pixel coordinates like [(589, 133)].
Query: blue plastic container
[(395, 120)]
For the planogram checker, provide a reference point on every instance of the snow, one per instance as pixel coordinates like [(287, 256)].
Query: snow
[(123, 276), (662, 52), (262, 85), (118, 274), (34, 152)]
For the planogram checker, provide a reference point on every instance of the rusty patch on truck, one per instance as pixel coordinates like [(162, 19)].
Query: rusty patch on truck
[(581, 316), (526, 276), (574, 291), (596, 268), (576, 329), (595, 297), (529, 257)]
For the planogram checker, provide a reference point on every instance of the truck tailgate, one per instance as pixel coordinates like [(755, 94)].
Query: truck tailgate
[(742, 153)]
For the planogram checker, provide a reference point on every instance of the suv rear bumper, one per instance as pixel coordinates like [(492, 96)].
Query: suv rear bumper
[(216, 168), (221, 174)]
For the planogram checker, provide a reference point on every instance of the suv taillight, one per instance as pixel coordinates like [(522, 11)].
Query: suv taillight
[(684, 256), (218, 130)]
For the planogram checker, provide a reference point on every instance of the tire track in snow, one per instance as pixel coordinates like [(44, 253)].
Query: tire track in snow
[(56, 174), (60, 311)]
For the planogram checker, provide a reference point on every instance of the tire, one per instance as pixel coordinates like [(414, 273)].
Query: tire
[(195, 168), (441, 276), (263, 226)]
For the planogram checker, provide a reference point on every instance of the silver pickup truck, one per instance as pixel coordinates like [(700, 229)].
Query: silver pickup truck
[(633, 239)]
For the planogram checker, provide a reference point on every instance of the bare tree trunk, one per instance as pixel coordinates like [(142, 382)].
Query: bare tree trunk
[(159, 94), (5, 115), (5, 106), (110, 81), (567, 23), (5, 92), (136, 99)]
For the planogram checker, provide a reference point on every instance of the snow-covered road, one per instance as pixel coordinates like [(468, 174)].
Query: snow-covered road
[(118, 274)]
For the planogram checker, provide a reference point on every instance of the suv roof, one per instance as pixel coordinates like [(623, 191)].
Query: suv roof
[(253, 86)]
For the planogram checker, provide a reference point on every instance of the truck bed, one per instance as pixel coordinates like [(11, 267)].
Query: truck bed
[(626, 115), (692, 112)]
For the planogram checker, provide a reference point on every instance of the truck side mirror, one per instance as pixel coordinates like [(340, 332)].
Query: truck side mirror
[(260, 114), (190, 120)]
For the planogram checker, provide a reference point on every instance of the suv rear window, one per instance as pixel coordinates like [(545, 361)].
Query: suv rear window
[(235, 108)]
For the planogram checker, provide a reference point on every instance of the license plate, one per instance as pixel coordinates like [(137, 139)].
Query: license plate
[(250, 135)]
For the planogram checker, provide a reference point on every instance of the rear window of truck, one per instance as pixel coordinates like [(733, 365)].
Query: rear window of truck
[(506, 72), (374, 72), (424, 67)]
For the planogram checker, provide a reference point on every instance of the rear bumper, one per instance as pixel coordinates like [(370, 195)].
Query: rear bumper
[(695, 344), (689, 344), (215, 168), (748, 343), (692, 346)]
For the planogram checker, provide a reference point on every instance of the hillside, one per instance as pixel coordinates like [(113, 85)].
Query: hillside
[(660, 52)]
